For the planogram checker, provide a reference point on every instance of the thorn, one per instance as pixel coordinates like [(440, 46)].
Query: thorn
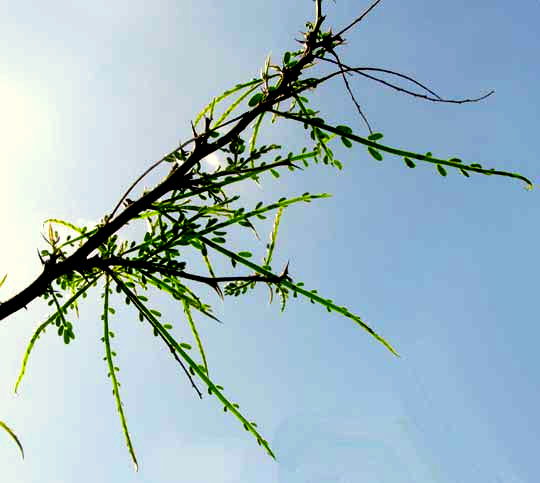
[(284, 275), (218, 290)]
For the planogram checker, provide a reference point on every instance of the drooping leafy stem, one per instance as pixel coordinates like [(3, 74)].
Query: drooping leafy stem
[(195, 332), (109, 354), (376, 147), (41, 329), (311, 295)]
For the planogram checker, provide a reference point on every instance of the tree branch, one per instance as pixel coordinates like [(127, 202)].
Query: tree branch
[(105, 263), (176, 180)]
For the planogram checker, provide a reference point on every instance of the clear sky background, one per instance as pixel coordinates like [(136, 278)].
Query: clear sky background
[(445, 268)]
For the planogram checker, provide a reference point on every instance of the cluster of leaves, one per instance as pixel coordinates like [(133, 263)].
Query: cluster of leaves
[(191, 212)]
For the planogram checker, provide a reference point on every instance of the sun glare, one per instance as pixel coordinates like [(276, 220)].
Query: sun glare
[(212, 161), (26, 128), (19, 116)]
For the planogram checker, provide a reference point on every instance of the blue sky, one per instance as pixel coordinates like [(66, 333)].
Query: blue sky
[(445, 268)]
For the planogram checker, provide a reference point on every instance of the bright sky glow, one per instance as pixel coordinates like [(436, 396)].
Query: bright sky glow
[(213, 161), (19, 121)]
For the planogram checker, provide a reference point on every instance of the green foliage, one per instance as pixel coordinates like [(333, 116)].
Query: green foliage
[(193, 212)]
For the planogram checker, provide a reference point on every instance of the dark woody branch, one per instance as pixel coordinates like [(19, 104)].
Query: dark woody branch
[(179, 179), (152, 267)]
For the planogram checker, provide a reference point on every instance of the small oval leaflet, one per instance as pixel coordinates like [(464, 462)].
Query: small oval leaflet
[(376, 154), (286, 57), (409, 162), (344, 129), (245, 254), (346, 142), (375, 136), (441, 170), (255, 99)]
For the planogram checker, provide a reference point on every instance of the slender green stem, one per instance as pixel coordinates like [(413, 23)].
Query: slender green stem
[(44, 325), (310, 295), (401, 152), (112, 373)]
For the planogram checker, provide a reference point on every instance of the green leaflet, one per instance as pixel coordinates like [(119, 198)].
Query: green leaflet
[(254, 100), (346, 142), (441, 170), (286, 57), (409, 162), (376, 154), (375, 136)]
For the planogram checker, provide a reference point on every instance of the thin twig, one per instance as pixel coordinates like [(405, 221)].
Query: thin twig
[(423, 96), (351, 94), (386, 71), (128, 191), (401, 89), (359, 19)]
